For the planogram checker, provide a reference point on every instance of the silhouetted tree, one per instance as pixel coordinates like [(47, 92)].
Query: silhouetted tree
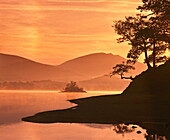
[(159, 8), (73, 87), (130, 29), (159, 12), (120, 69), (159, 16), (146, 33)]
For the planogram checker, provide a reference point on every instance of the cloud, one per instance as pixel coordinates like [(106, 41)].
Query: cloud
[(107, 6), (63, 29), (93, 3)]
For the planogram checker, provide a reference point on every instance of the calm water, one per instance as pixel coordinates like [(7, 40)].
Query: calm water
[(17, 104)]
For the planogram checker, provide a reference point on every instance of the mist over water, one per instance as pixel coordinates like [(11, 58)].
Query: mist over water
[(16, 104)]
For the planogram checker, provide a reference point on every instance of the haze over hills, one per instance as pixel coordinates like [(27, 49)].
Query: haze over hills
[(92, 66), (104, 83)]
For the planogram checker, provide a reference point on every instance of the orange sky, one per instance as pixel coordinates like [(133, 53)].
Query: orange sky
[(53, 31)]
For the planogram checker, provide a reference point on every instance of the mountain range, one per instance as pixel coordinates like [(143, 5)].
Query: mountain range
[(89, 70)]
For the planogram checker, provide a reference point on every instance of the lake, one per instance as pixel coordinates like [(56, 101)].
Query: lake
[(17, 104)]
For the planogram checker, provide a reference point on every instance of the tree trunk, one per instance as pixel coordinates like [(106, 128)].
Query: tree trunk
[(131, 78), (146, 56), (154, 54), (122, 77)]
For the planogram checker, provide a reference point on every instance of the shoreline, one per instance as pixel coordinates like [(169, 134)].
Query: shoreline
[(111, 109)]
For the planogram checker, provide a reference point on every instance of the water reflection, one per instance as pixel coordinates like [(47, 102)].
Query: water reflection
[(155, 137), (124, 130), (121, 129), (18, 104), (99, 126), (29, 131), (156, 131)]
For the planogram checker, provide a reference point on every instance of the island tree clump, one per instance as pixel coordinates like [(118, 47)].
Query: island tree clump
[(73, 87)]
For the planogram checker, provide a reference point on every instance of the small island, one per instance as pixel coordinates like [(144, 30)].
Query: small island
[(72, 87)]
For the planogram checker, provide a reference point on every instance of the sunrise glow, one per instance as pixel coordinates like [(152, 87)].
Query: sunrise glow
[(63, 30)]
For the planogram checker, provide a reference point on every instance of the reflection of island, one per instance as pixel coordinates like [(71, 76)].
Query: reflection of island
[(72, 87)]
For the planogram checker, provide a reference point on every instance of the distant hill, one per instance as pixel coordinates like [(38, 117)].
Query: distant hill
[(97, 64), (6, 59), (15, 68)]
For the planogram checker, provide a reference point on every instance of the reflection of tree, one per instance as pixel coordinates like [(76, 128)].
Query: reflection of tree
[(155, 137), (152, 133), (156, 130), (122, 129)]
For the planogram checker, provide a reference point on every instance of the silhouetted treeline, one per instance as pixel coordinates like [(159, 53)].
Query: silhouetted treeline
[(104, 85), (37, 85)]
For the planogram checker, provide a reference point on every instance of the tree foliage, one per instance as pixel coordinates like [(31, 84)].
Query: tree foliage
[(122, 68), (72, 87), (160, 8), (147, 33)]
